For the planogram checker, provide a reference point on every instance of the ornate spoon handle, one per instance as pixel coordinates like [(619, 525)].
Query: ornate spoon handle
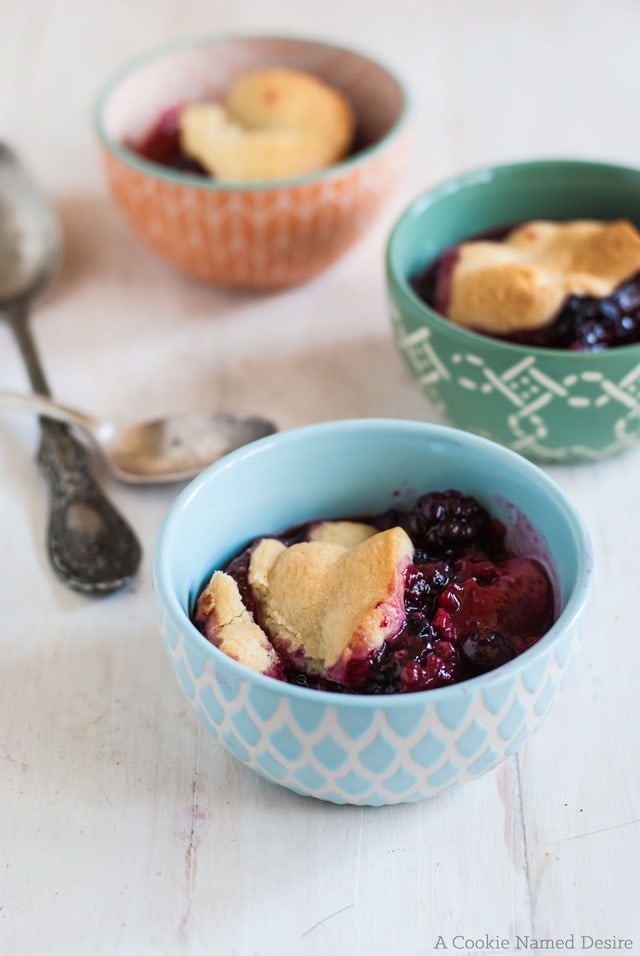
[(90, 545)]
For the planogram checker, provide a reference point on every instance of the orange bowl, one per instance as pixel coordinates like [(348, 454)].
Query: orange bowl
[(250, 235)]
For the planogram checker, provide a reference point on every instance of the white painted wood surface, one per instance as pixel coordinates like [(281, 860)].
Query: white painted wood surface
[(124, 828)]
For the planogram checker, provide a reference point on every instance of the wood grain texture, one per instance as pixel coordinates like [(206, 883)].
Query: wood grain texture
[(123, 827)]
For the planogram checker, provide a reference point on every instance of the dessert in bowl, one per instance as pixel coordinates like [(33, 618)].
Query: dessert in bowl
[(515, 300), (410, 599), (252, 162), (368, 744)]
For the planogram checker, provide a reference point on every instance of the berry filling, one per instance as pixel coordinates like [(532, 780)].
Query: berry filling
[(470, 605), (161, 145)]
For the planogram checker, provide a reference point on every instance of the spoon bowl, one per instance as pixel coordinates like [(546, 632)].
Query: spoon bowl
[(168, 449), (30, 235), (91, 547)]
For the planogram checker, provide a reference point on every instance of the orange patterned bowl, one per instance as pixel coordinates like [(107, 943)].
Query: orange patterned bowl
[(250, 235)]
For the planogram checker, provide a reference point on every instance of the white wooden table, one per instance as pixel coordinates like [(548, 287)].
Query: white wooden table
[(124, 828)]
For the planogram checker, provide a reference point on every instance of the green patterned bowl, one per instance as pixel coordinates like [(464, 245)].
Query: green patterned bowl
[(551, 405)]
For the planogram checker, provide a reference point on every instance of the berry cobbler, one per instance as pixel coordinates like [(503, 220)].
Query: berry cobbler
[(402, 601), (274, 123), (572, 285)]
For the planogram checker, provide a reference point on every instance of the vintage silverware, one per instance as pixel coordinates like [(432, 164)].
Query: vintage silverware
[(91, 547), (173, 448)]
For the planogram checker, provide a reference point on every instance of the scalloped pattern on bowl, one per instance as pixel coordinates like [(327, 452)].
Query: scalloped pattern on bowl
[(358, 748), (376, 756)]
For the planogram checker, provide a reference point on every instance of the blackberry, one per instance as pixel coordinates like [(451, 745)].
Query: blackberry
[(423, 585), (417, 589), (484, 649), (419, 626), (443, 523), (589, 324)]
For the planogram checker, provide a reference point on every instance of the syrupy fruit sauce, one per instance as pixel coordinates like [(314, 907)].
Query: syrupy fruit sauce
[(583, 323), (470, 604), (161, 145)]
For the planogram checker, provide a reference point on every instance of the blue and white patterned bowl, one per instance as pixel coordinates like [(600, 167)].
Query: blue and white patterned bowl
[(366, 749)]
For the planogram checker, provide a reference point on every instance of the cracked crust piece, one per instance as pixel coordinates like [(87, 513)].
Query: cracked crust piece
[(520, 283), (276, 123), (225, 621), (330, 602)]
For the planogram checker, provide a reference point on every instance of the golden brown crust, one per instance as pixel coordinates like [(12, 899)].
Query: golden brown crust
[(276, 123), (225, 621), (326, 600), (607, 252), (292, 99), (520, 284), (347, 533), (330, 602)]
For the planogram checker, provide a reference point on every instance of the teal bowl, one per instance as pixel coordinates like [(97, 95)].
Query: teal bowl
[(366, 749), (551, 405)]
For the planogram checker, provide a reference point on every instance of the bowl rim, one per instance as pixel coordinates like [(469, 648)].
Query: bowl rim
[(454, 184), (576, 603), (177, 178)]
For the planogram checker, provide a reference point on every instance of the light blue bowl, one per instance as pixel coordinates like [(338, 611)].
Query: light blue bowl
[(350, 748)]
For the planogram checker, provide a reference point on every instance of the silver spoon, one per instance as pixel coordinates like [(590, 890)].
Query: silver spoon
[(166, 449), (91, 547)]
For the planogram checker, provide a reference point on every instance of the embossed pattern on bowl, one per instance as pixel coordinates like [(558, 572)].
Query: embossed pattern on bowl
[(551, 405)]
